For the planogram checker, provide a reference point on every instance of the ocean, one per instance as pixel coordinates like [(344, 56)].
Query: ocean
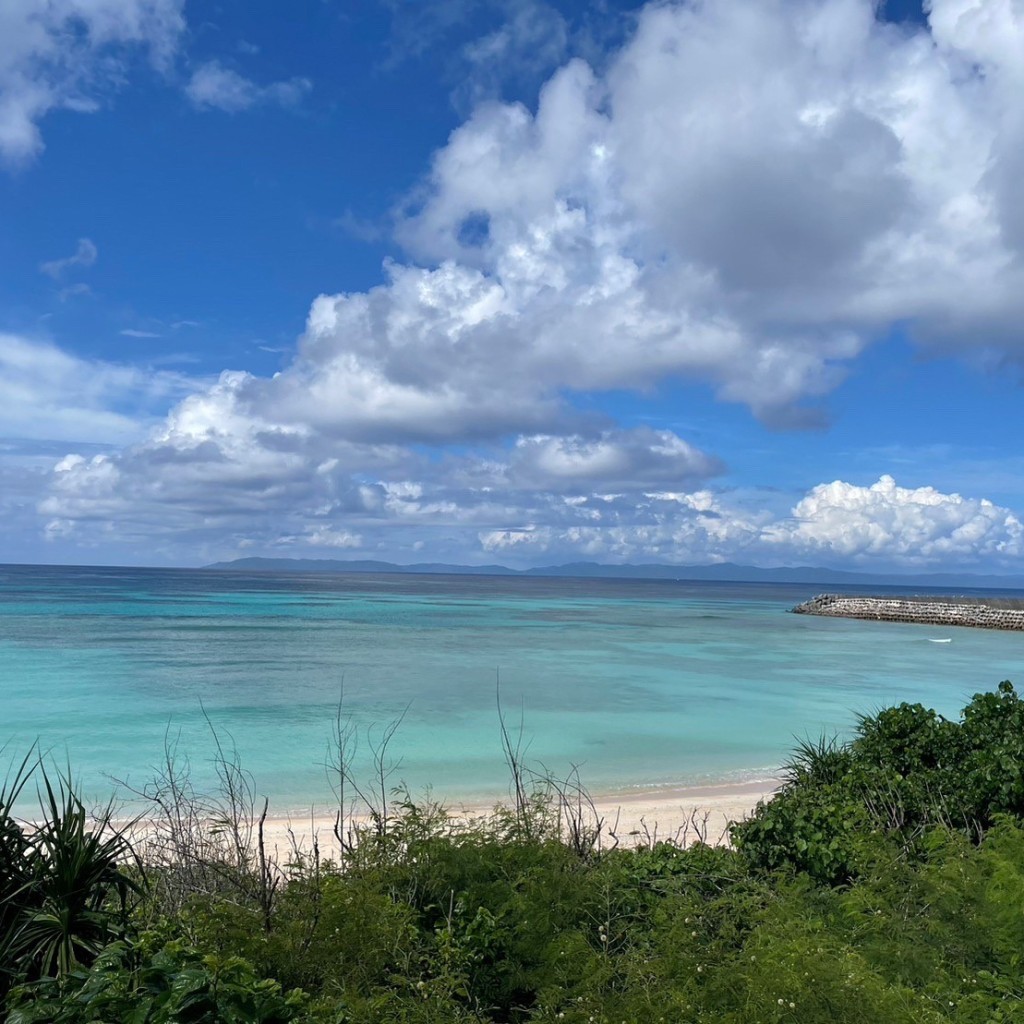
[(641, 685)]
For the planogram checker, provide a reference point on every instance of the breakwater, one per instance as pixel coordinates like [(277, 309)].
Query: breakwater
[(986, 613)]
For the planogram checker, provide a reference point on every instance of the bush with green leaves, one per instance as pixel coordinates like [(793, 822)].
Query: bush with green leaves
[(463, 912), (172, 984), (883, 886), (907, 771)]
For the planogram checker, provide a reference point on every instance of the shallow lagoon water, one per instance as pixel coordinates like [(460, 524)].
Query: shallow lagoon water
[(642, 684)]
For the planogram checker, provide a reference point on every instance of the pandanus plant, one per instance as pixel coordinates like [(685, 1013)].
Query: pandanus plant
[(66, 881), (15, 869)]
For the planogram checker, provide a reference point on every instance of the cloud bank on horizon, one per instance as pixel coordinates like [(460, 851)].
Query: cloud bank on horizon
[(742, 197)]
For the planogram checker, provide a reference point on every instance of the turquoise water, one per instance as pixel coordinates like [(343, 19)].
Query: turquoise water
[(640, 683)]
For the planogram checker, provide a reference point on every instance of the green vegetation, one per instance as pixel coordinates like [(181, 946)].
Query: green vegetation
[(884, 883)]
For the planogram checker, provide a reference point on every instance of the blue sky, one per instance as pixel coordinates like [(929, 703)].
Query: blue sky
[(513, 281)]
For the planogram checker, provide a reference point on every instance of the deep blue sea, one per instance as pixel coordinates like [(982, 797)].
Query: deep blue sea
[(639, 683)]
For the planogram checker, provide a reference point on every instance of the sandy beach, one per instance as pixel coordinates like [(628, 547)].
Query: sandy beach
[(632, 818)]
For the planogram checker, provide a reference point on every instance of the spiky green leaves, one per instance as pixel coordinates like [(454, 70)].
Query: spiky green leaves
[(67, 880)]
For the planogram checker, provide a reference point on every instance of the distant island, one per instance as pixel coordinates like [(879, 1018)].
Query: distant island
[(723, 572)]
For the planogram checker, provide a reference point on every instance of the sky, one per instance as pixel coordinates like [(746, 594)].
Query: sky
[(513, 281)]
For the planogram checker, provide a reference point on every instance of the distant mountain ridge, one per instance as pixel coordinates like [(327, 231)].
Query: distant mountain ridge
[(724, 572)]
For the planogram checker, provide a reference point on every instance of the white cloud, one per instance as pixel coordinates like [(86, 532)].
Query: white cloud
[(131, 332), (621, 460), (67, 54), (883, 526), (324, 537), (214, 466), (47, 393), (84, 256), (214, 472), (918, 526), (676, 217), (213, 86), (668, 526), (750, 194)]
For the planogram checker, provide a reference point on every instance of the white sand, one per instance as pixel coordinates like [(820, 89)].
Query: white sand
[(634, 818)]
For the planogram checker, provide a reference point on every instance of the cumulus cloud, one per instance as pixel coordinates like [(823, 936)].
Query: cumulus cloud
[(85, 256), (215, 87), (765, 187), (620, 460), (881, 525), (215, 474), (744, 196), (667, 526), (215, 465), (675, 218), (50, 401), (912, 526), (214, 469), (64, 54)]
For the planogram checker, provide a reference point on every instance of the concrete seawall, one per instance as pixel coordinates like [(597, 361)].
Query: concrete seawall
[(934, 611)]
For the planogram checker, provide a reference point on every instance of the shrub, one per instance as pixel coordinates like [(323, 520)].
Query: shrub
[(907, 771), (67, 881), (993, 769), (882, 886), (173, 985), (16, 873)]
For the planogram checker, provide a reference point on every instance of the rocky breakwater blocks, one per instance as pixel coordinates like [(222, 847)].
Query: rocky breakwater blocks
[(927, 611)]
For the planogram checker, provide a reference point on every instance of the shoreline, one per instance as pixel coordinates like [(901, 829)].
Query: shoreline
[(635, 817)]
